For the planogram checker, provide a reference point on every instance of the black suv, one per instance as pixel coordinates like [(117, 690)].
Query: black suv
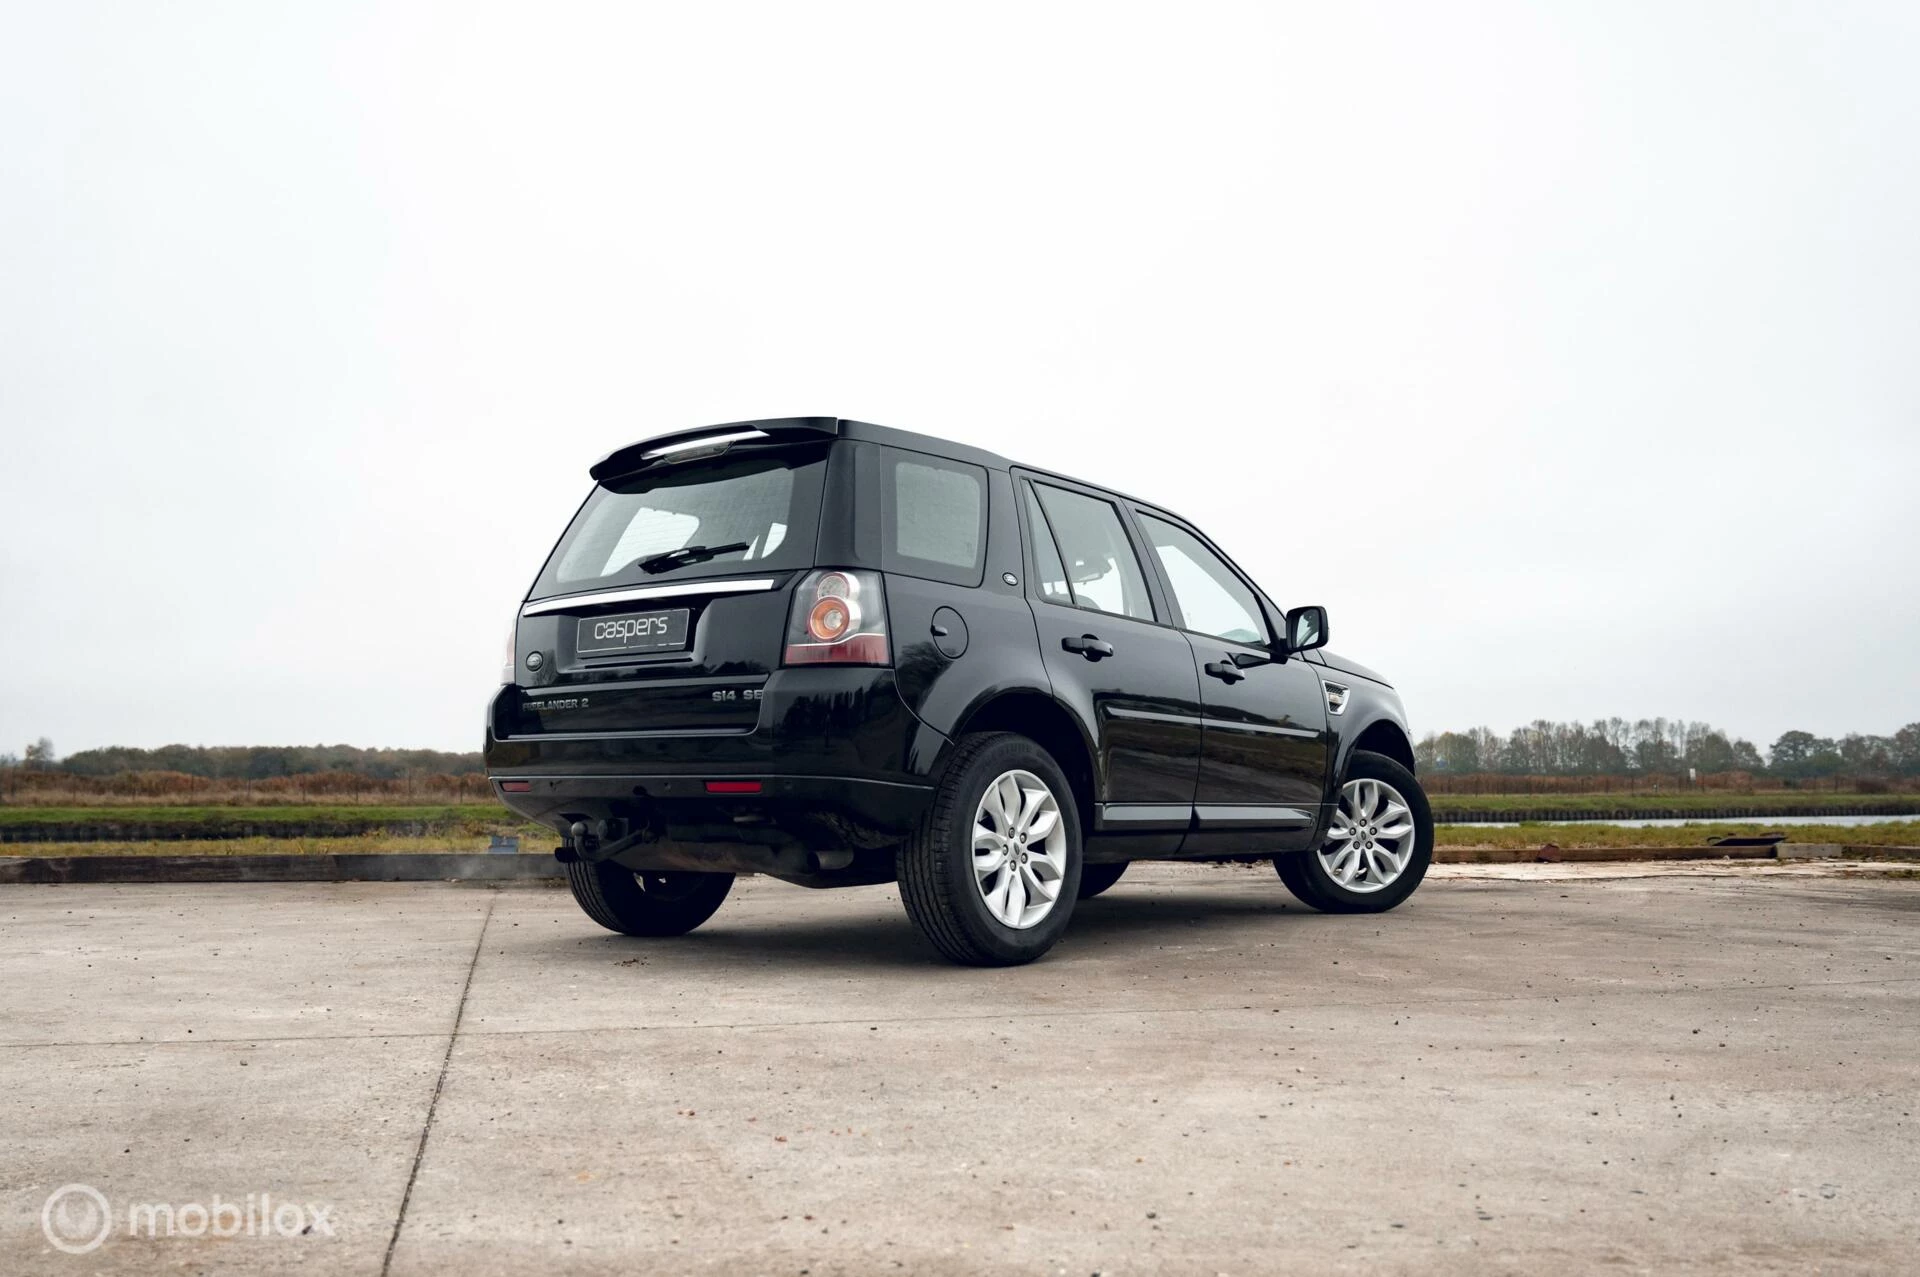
[(840, 654)]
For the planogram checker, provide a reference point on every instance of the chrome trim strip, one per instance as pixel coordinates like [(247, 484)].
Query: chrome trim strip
[(533, 696), (1134, 817), (728, 585), (1257, 729), (1150, 715), (1212, 816)]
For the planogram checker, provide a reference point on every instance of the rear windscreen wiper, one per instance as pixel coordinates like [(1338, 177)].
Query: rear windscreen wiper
[(690, 554)]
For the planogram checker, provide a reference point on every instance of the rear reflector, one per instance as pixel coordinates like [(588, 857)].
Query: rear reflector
[(516, 786), (733, 787), (861, 649)]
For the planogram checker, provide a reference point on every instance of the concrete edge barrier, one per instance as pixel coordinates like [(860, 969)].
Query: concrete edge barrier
[(1844, 851), (1571, 855), (1549, 814), (1578, 855)]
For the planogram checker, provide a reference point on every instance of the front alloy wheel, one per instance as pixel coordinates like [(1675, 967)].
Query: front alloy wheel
[(1378, 844), (1019, 849), (1371, 838)]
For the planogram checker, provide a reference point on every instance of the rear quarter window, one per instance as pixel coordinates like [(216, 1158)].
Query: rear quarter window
[(936, 517)]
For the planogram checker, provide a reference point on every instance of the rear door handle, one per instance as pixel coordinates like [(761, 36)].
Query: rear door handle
[(1088, 646), (1226, 671)]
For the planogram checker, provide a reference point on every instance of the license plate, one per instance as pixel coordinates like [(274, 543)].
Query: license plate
[(633, 632)]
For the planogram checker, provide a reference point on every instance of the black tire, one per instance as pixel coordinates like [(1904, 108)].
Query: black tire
[(1095, 879), (646, 904), (1307, 878), (936, 864)]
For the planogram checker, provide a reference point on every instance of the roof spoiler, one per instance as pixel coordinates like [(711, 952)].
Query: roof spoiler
[(681, 443)]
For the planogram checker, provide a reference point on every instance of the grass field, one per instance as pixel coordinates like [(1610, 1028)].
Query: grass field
[(490, 817), (534, 839), (1893, 833), (1681, 801), (341, 820), (307, 828)]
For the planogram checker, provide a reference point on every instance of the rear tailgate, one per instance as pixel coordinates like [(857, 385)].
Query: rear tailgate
[(664, 606), (690, 657)]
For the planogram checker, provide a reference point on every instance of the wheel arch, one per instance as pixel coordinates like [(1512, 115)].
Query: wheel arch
[(1044, 720), (1381, 736)]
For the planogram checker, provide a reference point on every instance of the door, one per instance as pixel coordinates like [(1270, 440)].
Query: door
[(1131, 681), (1263, 754)]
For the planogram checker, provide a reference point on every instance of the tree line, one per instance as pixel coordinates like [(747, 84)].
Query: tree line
[(1604, 747), (247, 762), (1662, 746)]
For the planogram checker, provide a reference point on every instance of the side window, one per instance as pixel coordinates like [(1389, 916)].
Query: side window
[(1211, 598), (1046, 555), (1102, 572), (936, 517)]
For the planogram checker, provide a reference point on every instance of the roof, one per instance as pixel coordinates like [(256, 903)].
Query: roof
[(622, 460), (627, 459)]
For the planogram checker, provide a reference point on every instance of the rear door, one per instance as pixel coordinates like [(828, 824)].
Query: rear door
[(1263, 758), (664, 605), (1129, 677)]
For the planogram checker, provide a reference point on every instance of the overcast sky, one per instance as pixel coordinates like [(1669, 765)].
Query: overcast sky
[(1569, 354)]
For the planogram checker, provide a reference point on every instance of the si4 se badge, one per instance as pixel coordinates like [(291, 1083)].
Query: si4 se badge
[(728, 694)]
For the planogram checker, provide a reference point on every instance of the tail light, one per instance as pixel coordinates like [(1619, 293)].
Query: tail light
[(507, 674), (839, 618)]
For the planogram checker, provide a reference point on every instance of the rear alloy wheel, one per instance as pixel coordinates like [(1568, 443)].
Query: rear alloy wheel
[(992, 873), (1378, 844), (1019, 849), (648, 903)]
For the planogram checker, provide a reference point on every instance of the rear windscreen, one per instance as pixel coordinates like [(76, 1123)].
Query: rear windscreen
[(759, 509)]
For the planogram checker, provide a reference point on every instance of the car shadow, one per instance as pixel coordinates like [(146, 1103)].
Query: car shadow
[(1121, 913), (877, 934)]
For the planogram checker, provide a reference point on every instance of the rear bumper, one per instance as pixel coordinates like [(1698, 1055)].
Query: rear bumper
[(681, 807), (840, 759)]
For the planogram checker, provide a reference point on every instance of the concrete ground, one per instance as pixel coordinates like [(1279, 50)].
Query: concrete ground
[(1524, 1069)]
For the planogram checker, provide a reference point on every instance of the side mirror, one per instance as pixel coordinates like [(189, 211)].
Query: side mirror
[(1306, 628), (1085, 571)]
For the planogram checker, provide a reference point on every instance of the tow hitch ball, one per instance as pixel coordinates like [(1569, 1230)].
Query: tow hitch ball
[(579, 839), (588, 840)]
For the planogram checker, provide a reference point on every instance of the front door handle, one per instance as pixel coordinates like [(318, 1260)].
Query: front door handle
[(1088, 646), (1226, 671)]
